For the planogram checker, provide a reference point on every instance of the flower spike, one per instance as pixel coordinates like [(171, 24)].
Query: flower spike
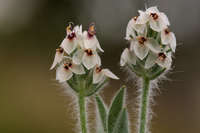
[(150, 55)]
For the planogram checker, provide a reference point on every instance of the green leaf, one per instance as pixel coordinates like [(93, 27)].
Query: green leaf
[(122, 123), (116, 108), (102, 112), (95, 88)]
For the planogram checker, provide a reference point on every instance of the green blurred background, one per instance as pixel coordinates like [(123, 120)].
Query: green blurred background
[(31, 101)]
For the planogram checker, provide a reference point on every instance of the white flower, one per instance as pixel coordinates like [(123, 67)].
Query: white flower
[(58, 57), (90, 39), (133, 26), (141, 46), (163, 59), (99, 74), (69, 44), (127, 56), (168, 37), (79, 35), (89, 58), (143, 18), (65, 71), (157, 20)]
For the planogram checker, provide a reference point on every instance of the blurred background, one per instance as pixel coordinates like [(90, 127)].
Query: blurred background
[(31, 101)]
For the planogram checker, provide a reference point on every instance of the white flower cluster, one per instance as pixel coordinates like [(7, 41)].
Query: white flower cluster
[(150, 40), (78, 53)]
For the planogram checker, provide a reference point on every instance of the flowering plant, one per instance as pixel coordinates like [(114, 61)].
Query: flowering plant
[(78, 64), (149, 56)]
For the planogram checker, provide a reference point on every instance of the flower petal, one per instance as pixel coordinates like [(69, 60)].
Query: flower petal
[(153, 45), (173, 42), (78, 30), (91, 42), (164, 18), (127, 57), (123, 59), (141, 51), (150, 60), (97, 77), (153, 9), (98, 45), (78, 69), (155, 25), (109, 74), (98, 60), (62, 74), (57, 59), (165, 38), (166, 63), (129, 30), (89, 61), (69, 45), (143, 18), (77, 57), (140, 28)]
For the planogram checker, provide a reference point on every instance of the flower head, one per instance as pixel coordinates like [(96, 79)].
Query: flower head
[(151, 41), (81, 50)]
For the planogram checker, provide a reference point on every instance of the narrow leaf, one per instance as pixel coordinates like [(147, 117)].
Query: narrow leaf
[(116, 108), (122, 123), (102, 112)]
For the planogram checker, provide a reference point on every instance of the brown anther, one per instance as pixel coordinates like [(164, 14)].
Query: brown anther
[(98, 69), (69, 27), (91, 30), (154, 16), (60, 50), (167, 31), (161, 56), (71, 36), (141, 40), (66, 66), (135, 18), (70, 64), (89, 52)]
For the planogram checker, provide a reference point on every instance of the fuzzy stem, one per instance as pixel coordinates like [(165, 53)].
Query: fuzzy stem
[(82, 112), (144, 106)]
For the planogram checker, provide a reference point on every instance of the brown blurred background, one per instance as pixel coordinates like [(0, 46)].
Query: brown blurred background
[(31, 101)]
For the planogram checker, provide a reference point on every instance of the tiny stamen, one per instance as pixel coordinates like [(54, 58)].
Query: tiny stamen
[(89, 52), (167, 31), (141, 40), (154, 16), (161, 56), (71, 36), (135, 18), (70, 64), (91, 30), (98, 69), (66, 66), (60, 50), (69, 28)]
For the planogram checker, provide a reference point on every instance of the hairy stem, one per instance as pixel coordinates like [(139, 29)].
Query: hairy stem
[(82, 112), (144, 106)]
